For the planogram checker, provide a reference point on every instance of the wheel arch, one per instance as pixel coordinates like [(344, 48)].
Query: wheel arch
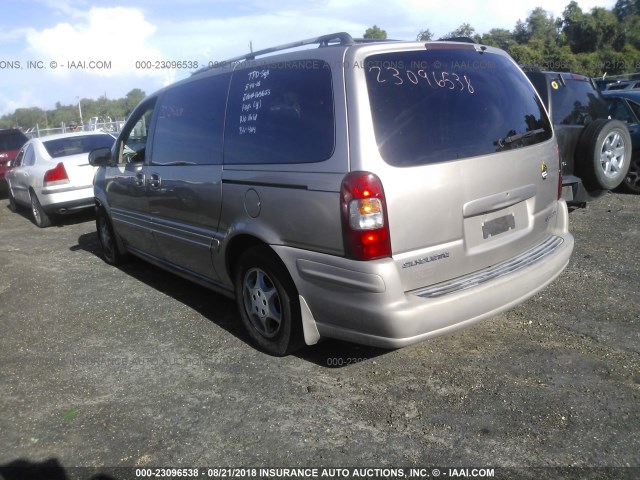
[(101, 209), (239, 244), (40, 215), (248, 253)]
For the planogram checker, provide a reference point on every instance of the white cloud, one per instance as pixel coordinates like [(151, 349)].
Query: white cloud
[(118, 36), (20, 99)]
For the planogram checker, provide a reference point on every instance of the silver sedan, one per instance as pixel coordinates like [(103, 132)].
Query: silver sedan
[(52, 175)]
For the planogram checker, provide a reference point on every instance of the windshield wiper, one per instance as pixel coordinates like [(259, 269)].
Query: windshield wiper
[(514, 138)]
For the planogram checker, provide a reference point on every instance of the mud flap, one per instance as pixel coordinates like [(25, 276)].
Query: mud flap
[(311, 334)]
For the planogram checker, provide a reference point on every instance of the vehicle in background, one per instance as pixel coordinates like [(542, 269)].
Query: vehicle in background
[(595, 150), (52, 175), (624, 105), (604, 81), (623, 85), (11, 141)]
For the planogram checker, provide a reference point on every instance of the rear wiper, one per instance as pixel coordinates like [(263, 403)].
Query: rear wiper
[(514, 138)]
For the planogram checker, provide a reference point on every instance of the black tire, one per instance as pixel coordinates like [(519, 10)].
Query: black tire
[(632, 180), (40, 217), (603, 154), (108, 241), (268, 302)]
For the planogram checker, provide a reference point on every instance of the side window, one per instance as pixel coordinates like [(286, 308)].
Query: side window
[(29, 156), (280, 113), (577, 103), (636, 109), (17, 162), (133, 144), (191, 122), (618, 109)]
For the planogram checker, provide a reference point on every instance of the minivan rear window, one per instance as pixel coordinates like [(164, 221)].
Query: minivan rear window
[(450, 103), (280, 113)]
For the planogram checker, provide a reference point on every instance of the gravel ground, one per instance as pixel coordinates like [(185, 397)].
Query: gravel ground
[(103, 367)]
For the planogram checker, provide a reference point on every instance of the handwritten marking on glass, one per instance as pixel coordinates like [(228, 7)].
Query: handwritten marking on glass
[(254, 92), (439, 79)]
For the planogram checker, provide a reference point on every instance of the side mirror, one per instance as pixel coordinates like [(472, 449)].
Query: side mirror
[(100, 157)]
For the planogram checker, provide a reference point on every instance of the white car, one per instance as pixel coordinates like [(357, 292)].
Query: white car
[(52, 175)]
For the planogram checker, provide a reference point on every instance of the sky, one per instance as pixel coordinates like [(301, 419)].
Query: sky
[(65, 50)]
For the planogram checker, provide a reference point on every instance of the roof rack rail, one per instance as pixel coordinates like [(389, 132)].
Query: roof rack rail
[(340, 38), (374, 40)]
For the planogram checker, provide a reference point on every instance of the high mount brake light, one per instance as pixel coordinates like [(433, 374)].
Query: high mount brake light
[(364, 217)]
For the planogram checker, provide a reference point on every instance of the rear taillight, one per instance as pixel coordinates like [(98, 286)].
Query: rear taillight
[(559, 174), (364, 217), (56, 176)]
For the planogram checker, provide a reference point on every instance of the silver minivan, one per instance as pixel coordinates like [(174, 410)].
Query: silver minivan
[(376, 192)]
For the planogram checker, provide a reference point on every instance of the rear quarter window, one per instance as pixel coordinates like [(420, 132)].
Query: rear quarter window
[(280, 113), (576, 102), (450, 103)]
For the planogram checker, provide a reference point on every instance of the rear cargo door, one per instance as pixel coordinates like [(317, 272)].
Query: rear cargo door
[(470, 165)]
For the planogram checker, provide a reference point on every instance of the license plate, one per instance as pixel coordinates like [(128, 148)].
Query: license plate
[(498, 225)]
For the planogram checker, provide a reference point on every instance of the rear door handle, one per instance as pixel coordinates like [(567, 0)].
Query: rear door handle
[(154, 180)]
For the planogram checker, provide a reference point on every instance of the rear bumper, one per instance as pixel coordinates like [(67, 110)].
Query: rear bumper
[(363, 302), (67, 199)]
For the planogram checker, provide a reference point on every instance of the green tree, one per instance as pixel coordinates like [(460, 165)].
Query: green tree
[(464, 30), (521, 33), (498, 37), (626, 8), (607, 29), (28, 117), (543, 26), (579, 29), (539, 26), (375, 33), (597, 31), (134, 97), (103, 107), (526, 56), (630, 30), (424, 36)]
